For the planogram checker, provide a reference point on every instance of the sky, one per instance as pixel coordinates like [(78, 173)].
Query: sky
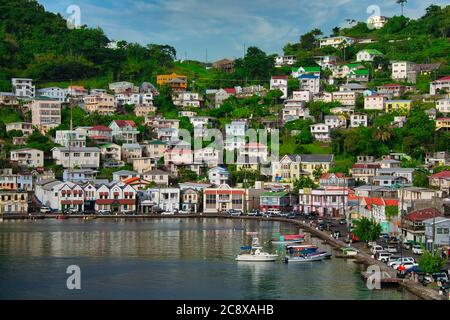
[(223, 28)]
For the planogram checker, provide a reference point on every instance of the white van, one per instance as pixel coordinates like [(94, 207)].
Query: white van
[(383, 256), (274, 212)]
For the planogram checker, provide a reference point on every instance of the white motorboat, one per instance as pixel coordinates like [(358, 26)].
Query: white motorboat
[(255, 253)]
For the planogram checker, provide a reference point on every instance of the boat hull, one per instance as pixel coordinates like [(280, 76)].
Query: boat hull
[(253, 258), (287, 242), (307, 258)]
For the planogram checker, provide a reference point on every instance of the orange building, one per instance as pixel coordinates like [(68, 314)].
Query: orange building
[(177, 82)]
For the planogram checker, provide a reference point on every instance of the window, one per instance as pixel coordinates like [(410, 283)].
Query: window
[(210, 199)]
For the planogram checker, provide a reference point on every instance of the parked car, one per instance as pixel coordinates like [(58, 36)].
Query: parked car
[(167, 213), (130, 212), (392, 249), (254, 213), (291, 215), (416, 249), (342, 222), (104, 212), (377, 248), (283, 214), (235, 212), (407, 265), (45, 210), (393, 240), (274, 212), (321, 226), (400, 261), (393, 258), (71, 211), (383, 256), (440, 276), (407, 245)]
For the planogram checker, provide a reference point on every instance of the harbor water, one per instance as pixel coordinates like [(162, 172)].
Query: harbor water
[(166, 259)]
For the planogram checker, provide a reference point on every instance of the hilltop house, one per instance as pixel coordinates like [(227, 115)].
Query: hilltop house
[(27, 157), (292, 166), (280, 83), (124, 130), (77, 157), (368, 55), (442, 84), (321, 132)]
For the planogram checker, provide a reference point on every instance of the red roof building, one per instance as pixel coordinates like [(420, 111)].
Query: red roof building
[(421, 215)]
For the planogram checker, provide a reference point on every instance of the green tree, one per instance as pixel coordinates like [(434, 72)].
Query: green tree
[(309, 40), (420, 178), (431, 262), (367, 230), (304, 182)]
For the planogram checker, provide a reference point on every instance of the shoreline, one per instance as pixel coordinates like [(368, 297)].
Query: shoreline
[(362, 258)]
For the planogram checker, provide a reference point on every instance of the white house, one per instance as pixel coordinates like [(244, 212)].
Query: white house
[(124, 130), (375, 102), (28, 157), (358, 120), (166, 199), (60, 196), (334, 122), (222, 95), (280, 83), (72, 138), (23, 88), (368, 55), (285, 61), (377, 22), (208, 155), (404, 70), (442, 84), (302, 95), (321, 132), (346, 98), (168, 134), (309, 82), (54, 93), (187, 99), (117, 198), (292, 113), (235, 134), (77, 157), (336, 42), (218, 176), (443, 105)]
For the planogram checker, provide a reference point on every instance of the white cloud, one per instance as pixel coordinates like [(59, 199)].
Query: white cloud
[(224, 26)]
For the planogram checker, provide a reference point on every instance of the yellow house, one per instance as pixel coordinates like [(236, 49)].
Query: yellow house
[(443, 123), (292, 166), (177, 82), (403, 106), (13, 202)]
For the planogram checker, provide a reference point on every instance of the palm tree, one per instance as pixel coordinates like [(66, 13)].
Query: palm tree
[(383, 134), (402, 4)]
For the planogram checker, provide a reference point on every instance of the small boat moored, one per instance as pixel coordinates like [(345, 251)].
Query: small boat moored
[(288, 239), (307, 257), (255, 253)]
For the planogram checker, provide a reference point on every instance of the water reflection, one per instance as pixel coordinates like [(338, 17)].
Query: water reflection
[(165, 259)]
